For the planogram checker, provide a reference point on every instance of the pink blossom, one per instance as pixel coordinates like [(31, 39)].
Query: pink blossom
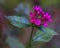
[(45, 25), (47, 16), (37, 8), (39, 17), (32, 14), (38, 22), (32, 20)]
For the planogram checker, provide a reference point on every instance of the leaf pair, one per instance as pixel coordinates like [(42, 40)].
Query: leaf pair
[(43, 34)]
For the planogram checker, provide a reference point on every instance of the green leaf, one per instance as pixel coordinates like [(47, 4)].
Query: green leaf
[(14, 43), (18, 21), (45, 36)]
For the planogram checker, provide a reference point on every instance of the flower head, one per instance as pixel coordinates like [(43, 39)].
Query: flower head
[(39, 17)]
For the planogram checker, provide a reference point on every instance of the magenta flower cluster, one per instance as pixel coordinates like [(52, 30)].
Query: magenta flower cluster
[(39, 17)]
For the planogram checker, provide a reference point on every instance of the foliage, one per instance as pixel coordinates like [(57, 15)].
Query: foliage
[(18, 21), (44, 35)]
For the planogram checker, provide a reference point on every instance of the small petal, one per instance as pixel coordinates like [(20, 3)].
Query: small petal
[(45, 25), (32, 20), (32, 14), (47, 16), (37, 22), (37, 8)]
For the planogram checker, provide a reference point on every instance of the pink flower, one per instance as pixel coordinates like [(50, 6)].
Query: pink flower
[(39, 17), (37, 22), (37, 8), (32, 14), (45, 24), (47, 16), (32, 20)]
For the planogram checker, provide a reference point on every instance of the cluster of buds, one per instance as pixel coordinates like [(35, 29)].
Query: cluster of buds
[(39, 17)]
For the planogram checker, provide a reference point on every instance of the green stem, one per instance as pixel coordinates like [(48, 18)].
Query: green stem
[(30, 40)]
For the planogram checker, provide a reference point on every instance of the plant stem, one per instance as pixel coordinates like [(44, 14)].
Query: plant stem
[(30, 40)]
